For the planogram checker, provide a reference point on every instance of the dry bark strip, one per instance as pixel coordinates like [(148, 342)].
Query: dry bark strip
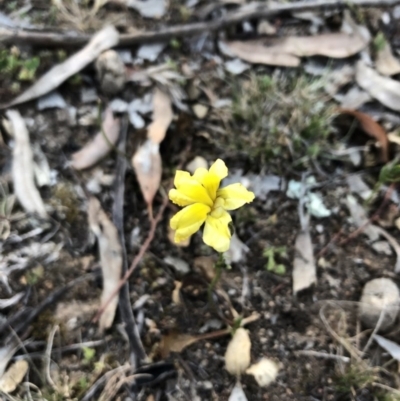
[(137, 351), (255, 10), (22, 167)]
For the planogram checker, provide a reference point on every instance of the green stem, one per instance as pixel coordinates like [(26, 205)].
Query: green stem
[(219, 265)]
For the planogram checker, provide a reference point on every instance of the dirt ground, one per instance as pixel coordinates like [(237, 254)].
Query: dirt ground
[(277, 123)]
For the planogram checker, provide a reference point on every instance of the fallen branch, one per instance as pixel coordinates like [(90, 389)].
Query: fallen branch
[(255, 10)]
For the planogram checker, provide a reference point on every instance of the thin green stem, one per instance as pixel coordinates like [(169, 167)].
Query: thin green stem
[(219, 265)]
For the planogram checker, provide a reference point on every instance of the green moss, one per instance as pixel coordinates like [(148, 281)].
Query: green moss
[(65, 196)]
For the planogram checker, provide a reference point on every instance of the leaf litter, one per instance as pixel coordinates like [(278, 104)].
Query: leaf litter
[(103, 143), (103, 40), (23, 167), (147, 160), (110, 259), (208, 125)]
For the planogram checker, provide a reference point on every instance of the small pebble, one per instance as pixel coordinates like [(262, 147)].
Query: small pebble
[(380, 295)]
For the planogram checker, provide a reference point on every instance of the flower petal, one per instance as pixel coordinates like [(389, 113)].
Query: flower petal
[(217, 234), (219, 169), (235, 196), (188, 192), (181, 177), (211, 179), (188, 220)]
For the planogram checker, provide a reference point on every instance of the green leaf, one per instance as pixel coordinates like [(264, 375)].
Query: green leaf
[(88, 353)]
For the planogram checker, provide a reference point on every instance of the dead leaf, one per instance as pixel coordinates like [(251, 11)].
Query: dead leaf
[(148, 168), (286, 52), (13, 376), (304, 268), (385, 62), (23, 167), (372, 128), (334, 45), (147, 160), (110, 258), (256, 53), (264, 371), (389, 346), (103, 40), (383, 89), (162, 116), (101, 145), (237, 355)]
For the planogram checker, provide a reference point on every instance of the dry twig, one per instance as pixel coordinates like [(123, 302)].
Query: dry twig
[(251, 11)]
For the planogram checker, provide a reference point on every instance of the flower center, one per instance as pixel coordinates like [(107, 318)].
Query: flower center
[(218, 208)]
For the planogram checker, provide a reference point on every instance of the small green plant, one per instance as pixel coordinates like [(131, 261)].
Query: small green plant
[(12, 64), (272, 265), (88, 355), (389, 174), (379, 42)]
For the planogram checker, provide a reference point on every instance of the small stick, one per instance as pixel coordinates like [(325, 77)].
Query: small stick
[(251, 11), (317, 354)]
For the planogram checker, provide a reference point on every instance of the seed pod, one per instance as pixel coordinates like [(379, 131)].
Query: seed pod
[(237, 356)]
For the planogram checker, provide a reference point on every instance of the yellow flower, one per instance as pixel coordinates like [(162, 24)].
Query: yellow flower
[(205, 202)]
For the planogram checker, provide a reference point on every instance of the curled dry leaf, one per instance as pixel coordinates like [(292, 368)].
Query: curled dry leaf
[(372, 128), (237, 355), (110, 258), (264, 371), (383, 89), (13, 376), (386, 63), (148, 168), (23, 167), (304, 268), (101, 145), (162, 116), (147, 160), (103, 40)]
